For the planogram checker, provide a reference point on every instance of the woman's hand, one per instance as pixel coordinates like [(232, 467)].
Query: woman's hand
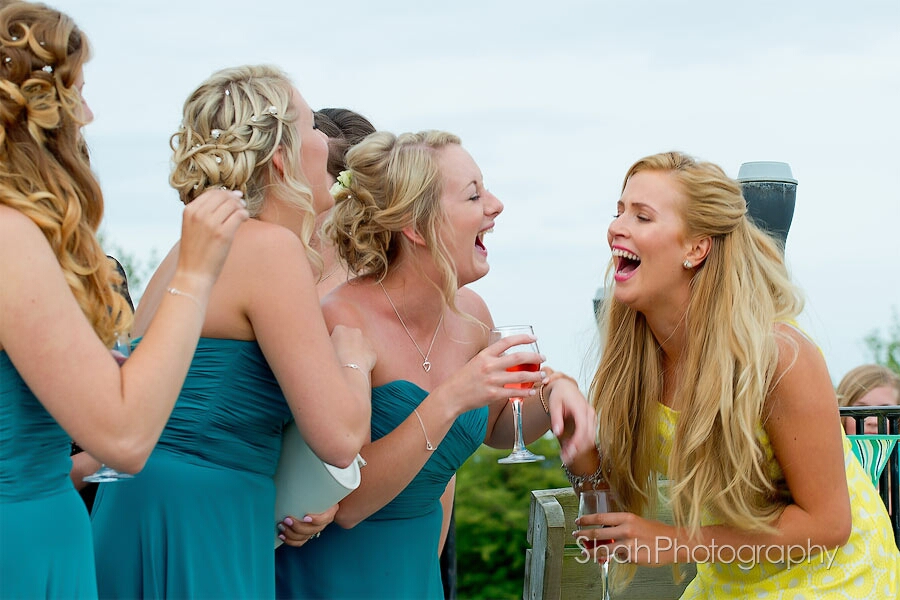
[(296, 532), (635, 539), (572, 419), (208, 226), (484, 378)]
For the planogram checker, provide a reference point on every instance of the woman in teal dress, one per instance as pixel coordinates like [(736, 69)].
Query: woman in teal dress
[(198, 521), (60, 312), (410, 218)]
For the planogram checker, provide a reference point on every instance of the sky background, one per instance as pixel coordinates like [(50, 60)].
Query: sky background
[(554, 101)]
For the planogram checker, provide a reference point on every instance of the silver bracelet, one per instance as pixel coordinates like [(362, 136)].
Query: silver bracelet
[(578, 481), (428, 445), (176, 292)]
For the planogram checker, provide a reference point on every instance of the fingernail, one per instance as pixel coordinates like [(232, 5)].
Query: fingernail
[(243, 203), (543, 375), (307, 519), (280, 527), (281, 537), (532, 392), (288, 521)]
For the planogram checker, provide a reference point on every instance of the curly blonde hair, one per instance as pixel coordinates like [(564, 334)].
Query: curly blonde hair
[(232, 127), (395, 182), (44, 167), (717, 467)]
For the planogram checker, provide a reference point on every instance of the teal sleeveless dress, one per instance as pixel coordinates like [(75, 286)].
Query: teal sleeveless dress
[(198, 520), (393, 553), (45, 534)]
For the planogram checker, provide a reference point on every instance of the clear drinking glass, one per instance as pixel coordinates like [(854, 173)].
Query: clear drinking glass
[(519, 454), (592, 502), (120, 350)]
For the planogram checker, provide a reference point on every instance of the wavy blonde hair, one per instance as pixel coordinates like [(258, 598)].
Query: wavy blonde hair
[(717, 467), (232, 127), (395, 182), (44, 168)]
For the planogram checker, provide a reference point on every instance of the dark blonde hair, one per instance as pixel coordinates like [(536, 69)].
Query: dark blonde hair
[(232, 127), (860, 380), (717, 466), (44, 167), (395, 182)]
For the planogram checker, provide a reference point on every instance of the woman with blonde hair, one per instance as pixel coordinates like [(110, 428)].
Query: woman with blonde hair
[(868, 385), (198, 522), (704, 381), (410, 219), (61, 313)]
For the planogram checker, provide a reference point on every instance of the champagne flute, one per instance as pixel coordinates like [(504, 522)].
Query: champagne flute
[(519, 454), (592, 502), (120, 350)]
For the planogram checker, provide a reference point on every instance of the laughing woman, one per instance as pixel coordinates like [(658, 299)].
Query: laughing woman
[(705, 381), (410, 220)]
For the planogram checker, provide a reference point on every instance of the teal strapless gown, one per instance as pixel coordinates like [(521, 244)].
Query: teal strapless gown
[(197, 521), (45, 534), (394, 553)]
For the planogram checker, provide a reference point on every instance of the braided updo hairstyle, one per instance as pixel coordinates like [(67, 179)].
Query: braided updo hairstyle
[(232, 127), (394, 182), (44, 167)]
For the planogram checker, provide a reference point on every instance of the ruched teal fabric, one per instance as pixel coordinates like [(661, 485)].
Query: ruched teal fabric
[(393, 553), (197, 521), (45, 535)]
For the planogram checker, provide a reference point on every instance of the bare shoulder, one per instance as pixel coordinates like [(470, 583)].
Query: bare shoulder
[(348, 304), (471, 303), (16, 228), (801, 383)]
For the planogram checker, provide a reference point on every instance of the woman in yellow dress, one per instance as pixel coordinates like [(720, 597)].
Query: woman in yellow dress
[(704, 381)]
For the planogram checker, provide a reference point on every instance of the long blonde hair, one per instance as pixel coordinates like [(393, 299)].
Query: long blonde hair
[(44, 167), (717, 467), (394, 182), (233, 125)]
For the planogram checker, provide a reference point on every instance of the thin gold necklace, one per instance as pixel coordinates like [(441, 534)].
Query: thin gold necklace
[(425, 363)]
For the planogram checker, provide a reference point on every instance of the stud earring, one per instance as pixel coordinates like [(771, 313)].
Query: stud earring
[(688, 264)]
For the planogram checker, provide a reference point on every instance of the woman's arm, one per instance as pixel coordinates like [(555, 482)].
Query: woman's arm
[(116, 414), (811, 458), (329, 400)]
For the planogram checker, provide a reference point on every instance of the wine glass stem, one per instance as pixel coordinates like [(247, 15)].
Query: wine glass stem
[(517, 415), (605, 568)]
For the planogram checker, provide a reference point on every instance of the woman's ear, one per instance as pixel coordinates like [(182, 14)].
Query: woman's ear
[(698, 251), (413, 235), (278, 160)]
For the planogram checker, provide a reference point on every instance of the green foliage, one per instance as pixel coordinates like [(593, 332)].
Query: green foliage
[(492, 504), (886, 350)]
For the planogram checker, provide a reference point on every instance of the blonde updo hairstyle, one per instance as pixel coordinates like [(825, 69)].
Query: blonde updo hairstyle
[(232, 127), (395, 182), (717, 467), (44, 168)]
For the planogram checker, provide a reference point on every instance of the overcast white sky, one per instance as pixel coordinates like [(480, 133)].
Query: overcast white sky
[(554, 100)]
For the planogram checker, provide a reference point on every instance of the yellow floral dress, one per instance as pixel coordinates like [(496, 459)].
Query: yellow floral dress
[(866, 567)]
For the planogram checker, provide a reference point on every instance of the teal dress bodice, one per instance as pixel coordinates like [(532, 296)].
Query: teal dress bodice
[(394, 551), (45, 535), (197, 521)]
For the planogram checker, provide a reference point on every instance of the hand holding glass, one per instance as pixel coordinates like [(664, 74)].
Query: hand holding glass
[(592, 502), (120, 350), (519, 454)]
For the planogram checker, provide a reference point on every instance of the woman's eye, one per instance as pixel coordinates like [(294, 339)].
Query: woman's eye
[(475, 197)]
